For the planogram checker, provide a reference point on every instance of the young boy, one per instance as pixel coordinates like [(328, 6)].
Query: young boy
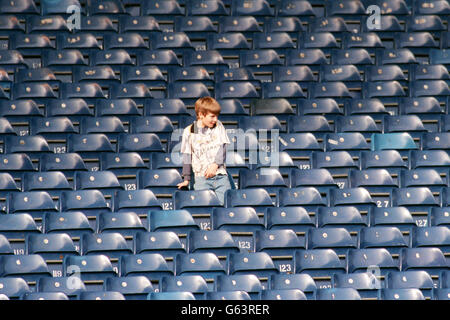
[(203, 150)]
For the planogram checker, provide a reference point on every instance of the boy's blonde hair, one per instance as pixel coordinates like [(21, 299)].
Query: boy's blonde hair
[(207, 104)]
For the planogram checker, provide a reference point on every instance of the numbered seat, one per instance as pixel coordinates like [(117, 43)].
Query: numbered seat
[(140, 24), (150, 265), (418, 200), (114, 8), (278, 243), (324, 41), (327, 107), (31, 43), (33, 146), (352, 142), (320, 179), (104, 181), (162, 182), (17, 227), (259, 61), (279, 41), (131, 41), (402, 57), (299, 146), (257, 263), (187, 91), (85, 42), (131, 287)]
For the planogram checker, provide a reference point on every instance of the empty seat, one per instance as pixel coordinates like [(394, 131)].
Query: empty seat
[(151, 265), (398, 217), (256, 8), (382, 237), (30, 202), (105, 181), (28, 267), (219, 242), (267, 178), (228, 295), (306, 197), (347, 217), (45, 296), (429, 159), (400, 141), (179, 221), (178, 42), (318, 263), (52, 182), (84, 200), (303, 282), (167, 10), (439, 216), (389, 160), (125, 223), (162, 58), (52, 247), (338, 239), (320, 179), (18, 226), (436, 236), (205, 264), (411, 279), (33, 146), (248, 283), (352, 142), (74, 223), (101, 295), (14, 287), (236, 219), (113, 245), (184, 295), (401, 294), (88, 268), (285, 294), (195, 284), (257, 263), (429, 178), (131, 287), (165, 243), (338, 294), (432, 141), (364, 260), (294, 218), (366, 284), (431, 260)]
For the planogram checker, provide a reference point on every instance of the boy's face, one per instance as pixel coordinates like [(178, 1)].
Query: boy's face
[(208, 120)]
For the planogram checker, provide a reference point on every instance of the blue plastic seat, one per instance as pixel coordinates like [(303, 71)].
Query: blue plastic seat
[(318, 263), (267, 178), (289, 90), (294, 218), (167, 10), (205, 264), (92, 268), (284, 281), (365, 284), (242, 90), (400, 294), (247, 25), (358, 197), (336, 238), (187, 91), (52, 247), (14, 287), (219, 242), (320, 179), (439, 56), (162, 58), (338, 294), (123, 164), (132, 42), (150, 265), (31, 43), (30, 202), (429, 159), (18, 226), (326, 107), (45, 296), (351, 56), (413, 197), (439, 216), (63, 60), (334, 24), (338, 163), (84, 42), (299, 146), (195, 284), (29, 267), (7, 183), (352, 142), (89, 201), (285, 294), (248, 283), (364, 260), (95, 24), (67, 163), (401, 57), (11, 59), (125, 223), (398, 217), (325, 41), (371, 107), (111, 244), (400, 141), (260, 62), (411, 279), (162, 182), (257, 263), (165, 243), (389, 238), (71, 287), (236, 219), (179, 221), (58, 128), (347, 217), (131, 287), (178, 42), (109, 7), (418, 42), (53, 182), (390, 160), (212, 8), (429, 178), (278, 243), (184, 295), (436, 236), (75, 109), (256, 8), (90, 92), (369, 41), (101, 295), (306, 197), (141, 143), (378, 182), (195, 26), (280, 107), (228, 295), (278, 41), (313, 58), (101, 74), (74, 224), (33, 146), (105, 181), (138, 24), (432, 141), (386, 73)]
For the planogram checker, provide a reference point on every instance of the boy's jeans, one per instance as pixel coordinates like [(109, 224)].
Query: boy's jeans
[(219, 184)]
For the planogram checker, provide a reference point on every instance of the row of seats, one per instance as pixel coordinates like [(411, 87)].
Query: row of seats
[(258, 8), (350, 74), (235, 41), (277, 242), (204, 25), (165, 181), (246, 287)]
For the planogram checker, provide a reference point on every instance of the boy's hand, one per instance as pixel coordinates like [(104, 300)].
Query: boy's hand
[(183, 184), (211, 171)]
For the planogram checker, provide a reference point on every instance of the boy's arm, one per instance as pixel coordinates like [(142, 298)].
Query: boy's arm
[(187, 167)]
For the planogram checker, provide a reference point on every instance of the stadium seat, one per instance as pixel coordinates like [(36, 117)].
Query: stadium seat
[(88, 268), (366, 284), (286, 294), (227, 295), (84, 42), (33, 146), (338, 294), (277, 242), (363, 260), (318, 263), (30, 202), (74, 223), (131, 287), (389, 238), (16, 164), (179, 221), (249, 283), (429, 178), (101, 74), (431, 260), (320, 179), (411, 279), (338, 239), (267, 178), (31, 43), (150, 265), (104, 181), (236, 219), (45, 296), (194, 284), (112, 245), (50, 246), (378, 182), (219, 242), (389, 160), (242, 90), (7, 183), (184, 295), (101, 295), (398, 217), (5, 246), (432, 141), (11, 59), (197, 27), (53, 182), (165, 243), (75, 109), (167, 10), (371, 107), (352, 142), (125, 223), (29, 267), (14, 287), (317, 125), (418, 200), (294, 218), (358, 197), (257, 263), (324, 41), (437, 160), (96, 24), (436, 236), (178, 42), (303, 282), (306, 197), (205, 264), (400, 141), (162, 58), (400, 294), (333, 24), (138, 24), (364, 124), (347, 217)]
